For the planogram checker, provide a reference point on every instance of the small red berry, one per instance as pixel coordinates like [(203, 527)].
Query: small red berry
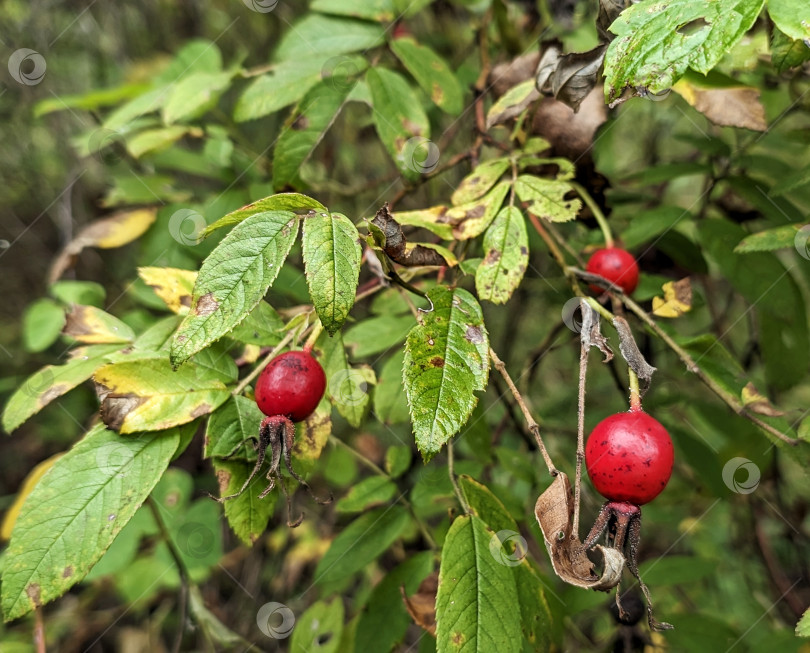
[(291, 385), (629, 457), (616, 265)]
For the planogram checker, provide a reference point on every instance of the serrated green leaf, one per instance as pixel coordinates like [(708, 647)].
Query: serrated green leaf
[(377, 334), (545, 198), (787, 53), (512, 103), (535, 615), (53, 381), (446, 361), (400, 120), (657, 40), (471, 220), (506, 255), (295, 202), (230, 428), (432, 74), (479, 181), (234, 278), (332, 261), (476, 604), (263, 326), (319, 628), (791, 17), (194, 95), (318, 34), (76, 511), (485, 505), (769, 240), (348, 388), (306, 127), (148, 395), (368, 493), (803, 627), (390, 404), (247, 514), (361, 542), (42, 323)]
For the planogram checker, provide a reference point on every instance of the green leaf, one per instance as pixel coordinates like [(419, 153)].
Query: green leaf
[(376, 10), (41, 324), (213, 628), (512, 103), (476, 604), (646, 225), (317, 34), (52, 381), (770, 239), (368, 493), (390, 404), (486, 505), (377, 334), (247, 514), (234, 278), (397, 459), (446, 361), (791, 17), (306, 127), (383, 622), (787, 53), (348, 387), (152, 140), (194, 95), (535, 615), (803, 627), (76, 511), (799, 178), (479, 181), (544, 198), (229, 429), (148, 395), (89, 293), (263, 326), (506, 255), (400, 120), (432, 74), (658, 40), (677, 569), (361, 542), (196, 56), (295, 202), (319, 628), (332, 256), (431, 219)]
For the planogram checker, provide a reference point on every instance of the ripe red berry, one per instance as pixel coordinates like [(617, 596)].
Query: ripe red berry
[(629, 457), (291, 385), (616, 265)]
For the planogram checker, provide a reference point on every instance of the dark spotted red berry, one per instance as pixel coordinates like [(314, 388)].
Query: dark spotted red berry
[(629, 457), (616, 265), (292, 385)]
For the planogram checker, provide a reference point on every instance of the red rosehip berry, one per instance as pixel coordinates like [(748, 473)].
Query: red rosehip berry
[(629, 457), (616, 265), (291, 385)]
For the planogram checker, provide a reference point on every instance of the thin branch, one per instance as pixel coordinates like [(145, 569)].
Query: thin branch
[(533, 426), (583, 373)]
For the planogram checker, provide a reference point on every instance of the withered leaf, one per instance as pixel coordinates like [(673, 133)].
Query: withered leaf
[(422, 605), (677, 299), (756, 402), (554, 511), (396, 246), (591, 333), (630, 351)]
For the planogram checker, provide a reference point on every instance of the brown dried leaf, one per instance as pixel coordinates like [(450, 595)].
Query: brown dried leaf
[(422, 605), (591, 333), (554, 511), (729, 107), (677, 299), (755, 402), (630, 351), (396, 246)]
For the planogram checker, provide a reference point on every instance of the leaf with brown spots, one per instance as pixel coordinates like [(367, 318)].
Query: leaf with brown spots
[(677, 299), (471, 219), (432, 74), (479, 181), (506, 244), (422, 605), (545, 198), (92, 326), (247, 514), (173, 285)]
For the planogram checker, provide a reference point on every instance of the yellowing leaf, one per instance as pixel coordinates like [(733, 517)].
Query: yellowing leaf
[(729, 106), (312, 437), (173, 285), (756, 402), (28, 485), (677, 299), (93, 326), (108, 233)]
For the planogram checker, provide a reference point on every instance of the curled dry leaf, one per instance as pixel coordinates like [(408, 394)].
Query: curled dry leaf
[(591, 333), (630, 351), (677, 299), (422, 605), (554, 511), (735, 106), (396, 246)]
